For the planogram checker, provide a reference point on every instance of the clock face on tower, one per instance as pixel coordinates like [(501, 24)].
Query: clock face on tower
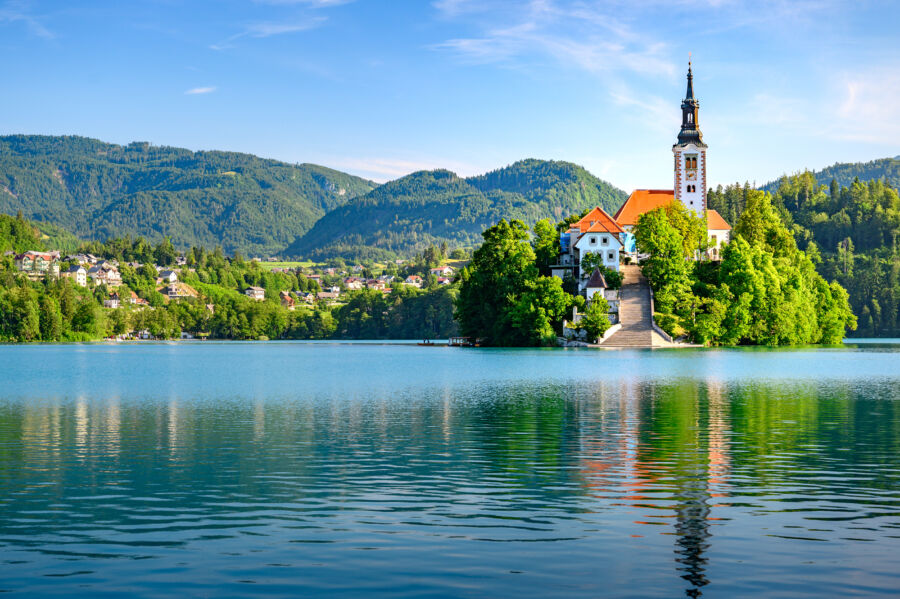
[(692, 175)]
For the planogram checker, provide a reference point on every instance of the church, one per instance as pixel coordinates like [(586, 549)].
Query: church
[(611, 236)]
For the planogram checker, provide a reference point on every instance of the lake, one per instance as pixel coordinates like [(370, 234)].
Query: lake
[(358, 470)]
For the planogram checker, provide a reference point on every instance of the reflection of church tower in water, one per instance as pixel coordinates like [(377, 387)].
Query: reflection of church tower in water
[(692, 528), (698, 486)]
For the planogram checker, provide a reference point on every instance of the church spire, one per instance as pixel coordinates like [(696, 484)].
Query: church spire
[(690, 115), (690, 88)]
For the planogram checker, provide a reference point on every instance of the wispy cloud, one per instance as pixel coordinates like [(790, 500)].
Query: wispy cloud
[(869, 108), (199, 90), (573, 34), (269, 29), (19, 11)]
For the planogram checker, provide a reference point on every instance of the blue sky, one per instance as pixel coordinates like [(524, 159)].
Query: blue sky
[(381, 88)]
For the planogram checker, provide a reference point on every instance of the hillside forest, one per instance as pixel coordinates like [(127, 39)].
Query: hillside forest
[(850, 232), (261, 207)]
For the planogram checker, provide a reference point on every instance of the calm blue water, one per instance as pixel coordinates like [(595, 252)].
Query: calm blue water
[(350, 470)]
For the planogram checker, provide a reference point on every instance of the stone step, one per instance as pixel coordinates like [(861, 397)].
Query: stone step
[(634, 312)]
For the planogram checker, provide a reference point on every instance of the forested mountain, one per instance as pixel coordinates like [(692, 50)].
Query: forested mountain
[(433, 207), (886, 169), (98, 190)]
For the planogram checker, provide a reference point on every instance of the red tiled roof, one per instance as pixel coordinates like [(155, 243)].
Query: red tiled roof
[(641, 201), (598, 221), (715, 222)]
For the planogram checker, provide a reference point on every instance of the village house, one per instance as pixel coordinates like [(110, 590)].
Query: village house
[(78, 274), (167, 276), (596, 233), (329, 296), (77, 258), (718, 234), (414, 280), (597, 287), (36, 265), (112, 301), (352, 283), (442, 271), (255, 293), (287, 300), (375, 284), (105, 273), (134, 300)]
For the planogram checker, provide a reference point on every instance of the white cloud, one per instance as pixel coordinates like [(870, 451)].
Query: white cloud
[(269, 29), (869, 108), (199, 90), (279, 28), (574, 34)]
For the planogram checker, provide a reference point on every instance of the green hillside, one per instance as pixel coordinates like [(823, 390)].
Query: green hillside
[(886, 169), (426, 208), (98, 190)]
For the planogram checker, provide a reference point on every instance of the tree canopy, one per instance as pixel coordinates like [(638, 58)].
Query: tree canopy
[(503, 298), (765, 291)]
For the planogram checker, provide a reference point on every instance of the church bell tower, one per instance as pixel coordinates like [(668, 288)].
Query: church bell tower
[(690, 154)]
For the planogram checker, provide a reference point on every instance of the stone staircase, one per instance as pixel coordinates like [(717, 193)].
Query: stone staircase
[(634, 312)]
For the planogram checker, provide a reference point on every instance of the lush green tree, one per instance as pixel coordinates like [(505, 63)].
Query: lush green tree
[(546, 245), (595, 320), (503, 299), (666, 266)]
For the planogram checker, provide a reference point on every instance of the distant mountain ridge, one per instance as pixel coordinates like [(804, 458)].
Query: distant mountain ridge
[(426, 208), (887, 169), (97, 190), (258, 206)]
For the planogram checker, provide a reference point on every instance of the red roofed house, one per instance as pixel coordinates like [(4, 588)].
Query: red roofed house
[(719, 233), (596, 233)]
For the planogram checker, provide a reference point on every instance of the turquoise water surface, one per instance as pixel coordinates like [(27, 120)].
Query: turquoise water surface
[(358, 470)]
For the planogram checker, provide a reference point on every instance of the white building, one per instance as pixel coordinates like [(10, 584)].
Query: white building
[(78, 274), (596, 287), (718, 233), (255, 293), (596, 233)]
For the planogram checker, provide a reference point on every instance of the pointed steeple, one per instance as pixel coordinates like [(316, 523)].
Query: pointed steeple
[(690, 88), (690, 115)]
